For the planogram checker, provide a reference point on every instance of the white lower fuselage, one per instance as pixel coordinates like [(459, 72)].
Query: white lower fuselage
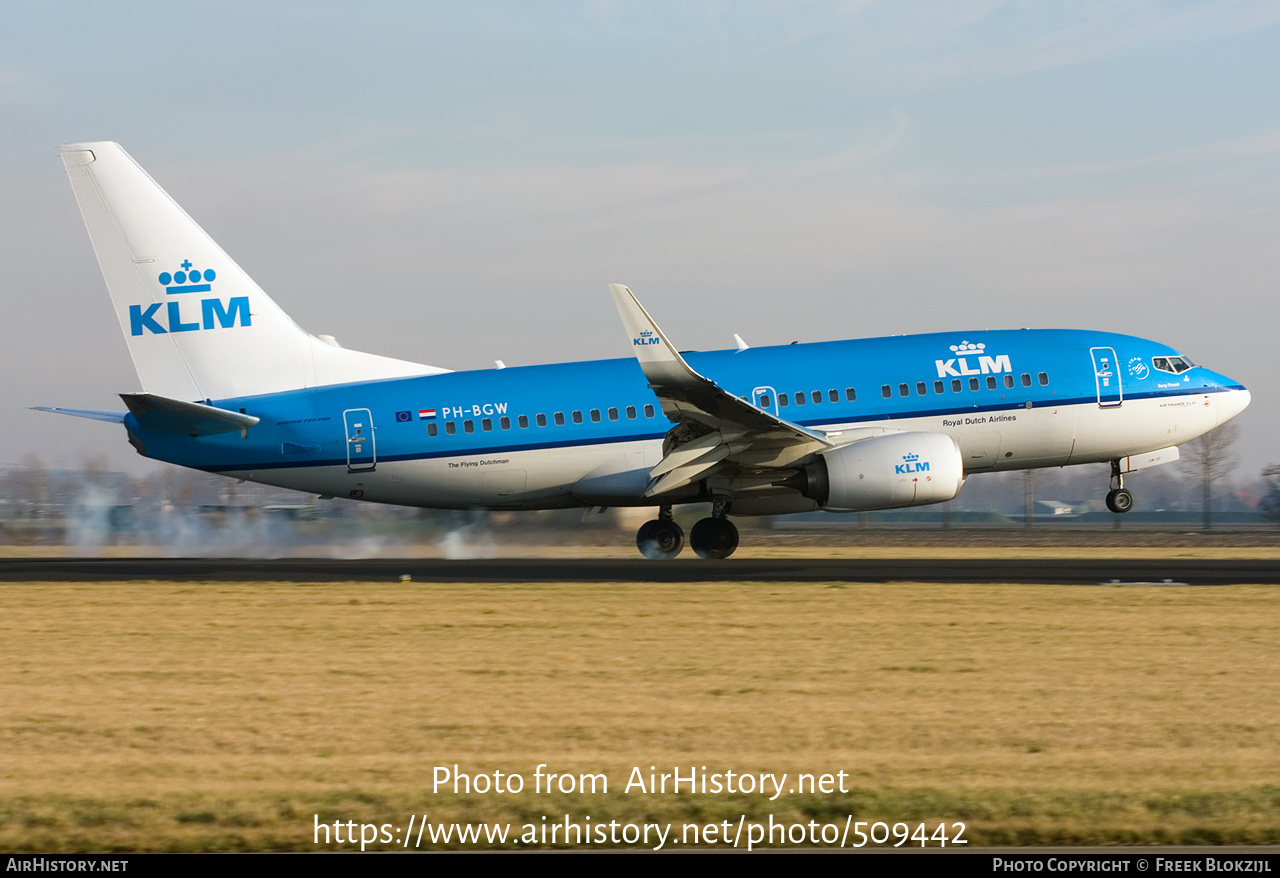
[(616, 473)]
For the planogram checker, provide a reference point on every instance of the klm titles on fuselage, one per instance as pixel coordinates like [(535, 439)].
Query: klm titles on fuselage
[(213, 313), (959, 365)]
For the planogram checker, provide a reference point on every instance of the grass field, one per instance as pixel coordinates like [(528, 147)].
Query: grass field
[(158, 716)]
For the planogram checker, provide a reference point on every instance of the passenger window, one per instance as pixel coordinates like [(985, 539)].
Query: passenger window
[(991, 382), (783, 400), (1008, 381), (1044, 378), (648, 411), (938, 386), (764, 401), (817, 397), (468, 426), (1026, 379), (505, 423), (432, 429), (595, 416), (886, 391), (577, 417), (800, 398), (903, 390), (921, 388), (613, 414), (955, 385), (523, 421), (558, 417), (542, 420), (450, 427), (973, 383), (850, 394), (631, 413), (487, 425), (833, 395)]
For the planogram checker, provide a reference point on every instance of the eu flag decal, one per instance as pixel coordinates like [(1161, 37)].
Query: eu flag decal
[(402, 417)]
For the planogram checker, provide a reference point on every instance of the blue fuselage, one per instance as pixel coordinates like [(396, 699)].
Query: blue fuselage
[(993, 392)]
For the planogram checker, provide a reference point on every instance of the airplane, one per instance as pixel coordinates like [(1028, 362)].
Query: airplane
[(231, 385)]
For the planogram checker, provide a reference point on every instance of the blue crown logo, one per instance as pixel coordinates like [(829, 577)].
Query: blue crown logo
[(646, 333), (910, 458), (188, 280)]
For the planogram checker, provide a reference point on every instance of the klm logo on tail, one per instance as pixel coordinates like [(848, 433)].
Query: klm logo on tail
[(179, 317)]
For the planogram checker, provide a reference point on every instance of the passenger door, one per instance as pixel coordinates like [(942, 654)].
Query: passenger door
[(361, 449), (1106, 376)]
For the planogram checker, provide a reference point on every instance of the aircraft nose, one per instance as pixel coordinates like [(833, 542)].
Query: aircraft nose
[(1232, 403)]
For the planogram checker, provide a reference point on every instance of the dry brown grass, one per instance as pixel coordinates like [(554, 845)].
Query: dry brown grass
[(223, 716)]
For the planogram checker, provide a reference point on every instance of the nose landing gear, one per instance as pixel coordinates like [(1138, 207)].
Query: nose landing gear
[(1119, 498)]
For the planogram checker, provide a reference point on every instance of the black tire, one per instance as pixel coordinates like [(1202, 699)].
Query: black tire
[(1121, 500), (660, 540), (714, 538)]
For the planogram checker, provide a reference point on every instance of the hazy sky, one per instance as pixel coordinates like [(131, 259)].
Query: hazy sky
[(457, 182)]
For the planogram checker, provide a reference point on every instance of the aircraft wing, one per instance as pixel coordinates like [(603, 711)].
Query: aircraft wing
[(719, 429)]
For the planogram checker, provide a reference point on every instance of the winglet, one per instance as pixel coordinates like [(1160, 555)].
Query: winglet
[(658, 357), (686, 394)]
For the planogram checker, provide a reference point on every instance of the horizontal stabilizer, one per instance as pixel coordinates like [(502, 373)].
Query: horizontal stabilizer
[(157, 412), (91, 414)]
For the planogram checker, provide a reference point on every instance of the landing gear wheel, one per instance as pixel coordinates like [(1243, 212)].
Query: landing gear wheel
[(714, 538), (660, 540), (1120, 500)]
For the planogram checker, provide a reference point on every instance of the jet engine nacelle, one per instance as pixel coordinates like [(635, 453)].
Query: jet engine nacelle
[(885, 472)]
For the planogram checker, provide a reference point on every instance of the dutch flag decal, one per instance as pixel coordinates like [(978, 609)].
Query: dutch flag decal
[(426, 414)]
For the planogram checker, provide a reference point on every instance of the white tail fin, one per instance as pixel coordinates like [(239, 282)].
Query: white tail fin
[(198, 327)]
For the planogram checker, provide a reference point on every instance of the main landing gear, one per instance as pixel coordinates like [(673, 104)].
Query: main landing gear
[(661, 538), (1119, 498), (714, 537)]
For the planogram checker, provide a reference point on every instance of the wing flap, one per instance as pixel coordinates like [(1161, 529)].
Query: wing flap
[(694, 451), (679, 476)]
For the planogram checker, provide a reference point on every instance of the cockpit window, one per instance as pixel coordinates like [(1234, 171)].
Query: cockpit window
[(1172, 365)]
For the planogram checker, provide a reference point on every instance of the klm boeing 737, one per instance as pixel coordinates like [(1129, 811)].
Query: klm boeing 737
[(231, 385)]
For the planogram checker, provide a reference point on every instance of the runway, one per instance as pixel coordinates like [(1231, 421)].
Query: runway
[(1052, 571)]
